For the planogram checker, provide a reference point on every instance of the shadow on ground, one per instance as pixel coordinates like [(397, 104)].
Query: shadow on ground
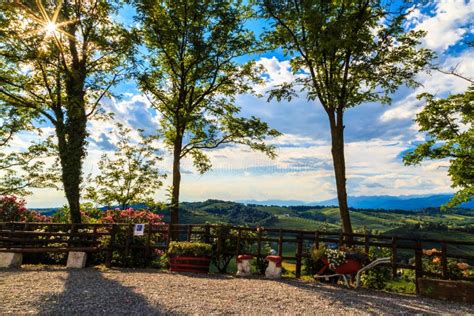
[(88, 290)]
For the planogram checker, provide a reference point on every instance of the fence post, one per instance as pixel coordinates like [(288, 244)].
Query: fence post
[(418, 264), (444, 259), (190, 229), (168, 236), (299, 252), (129, 239), (148, 242), (259, 242), (207, 234), (219, 241), (394, 257), (316, 239), (239, 236), (366, 244), (280, 242), (110, 247)]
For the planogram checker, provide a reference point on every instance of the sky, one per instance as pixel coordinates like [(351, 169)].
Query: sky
[(376, 135)]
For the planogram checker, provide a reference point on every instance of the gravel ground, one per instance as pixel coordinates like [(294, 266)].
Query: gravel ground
[(55, 290)]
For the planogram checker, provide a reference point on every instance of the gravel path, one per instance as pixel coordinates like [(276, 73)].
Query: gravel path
[(55, 290)]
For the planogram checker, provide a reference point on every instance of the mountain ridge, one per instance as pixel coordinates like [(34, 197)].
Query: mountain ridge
[(388, 202)]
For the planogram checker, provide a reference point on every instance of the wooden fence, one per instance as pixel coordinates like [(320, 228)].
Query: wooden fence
[(292, 245)]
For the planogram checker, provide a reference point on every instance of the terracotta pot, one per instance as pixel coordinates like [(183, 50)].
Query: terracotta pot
[(190, 264)]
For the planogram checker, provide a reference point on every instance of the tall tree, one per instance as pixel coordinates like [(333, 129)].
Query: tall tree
[(192, 78), (132, 176), (59, 59), (448, 124), (346, 52)]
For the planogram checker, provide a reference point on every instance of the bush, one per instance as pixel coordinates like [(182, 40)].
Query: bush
[(131, 216), (13, 209), (377, 277), (189, 249), (136, 255), (223, 253)]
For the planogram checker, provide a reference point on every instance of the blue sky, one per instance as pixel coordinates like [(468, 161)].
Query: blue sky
[(376, 135)]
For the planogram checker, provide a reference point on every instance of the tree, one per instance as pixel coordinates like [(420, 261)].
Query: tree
[(132, 176), (192, 78), (20, 171), (346, 53), (58, 61), (449, 125)]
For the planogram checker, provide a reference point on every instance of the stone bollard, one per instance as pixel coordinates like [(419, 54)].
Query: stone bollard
[(10, 259), (76, 259), (243, 265), (273, 270)]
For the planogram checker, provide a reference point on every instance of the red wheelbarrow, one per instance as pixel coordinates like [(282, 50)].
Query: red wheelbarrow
[(348, 269)]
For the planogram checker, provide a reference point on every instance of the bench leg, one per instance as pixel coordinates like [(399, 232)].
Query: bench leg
[(10, 259), (76, 259)]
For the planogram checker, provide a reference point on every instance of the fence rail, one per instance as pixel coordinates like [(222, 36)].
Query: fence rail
[(291, 244)]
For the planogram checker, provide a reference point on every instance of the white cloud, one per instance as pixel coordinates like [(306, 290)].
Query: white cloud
[(436, 83), (447, 25)]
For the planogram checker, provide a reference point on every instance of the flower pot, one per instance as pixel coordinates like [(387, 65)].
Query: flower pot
[(190, 264)]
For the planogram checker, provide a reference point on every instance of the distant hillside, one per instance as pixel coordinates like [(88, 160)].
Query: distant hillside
[(454, 223), (408, 202)]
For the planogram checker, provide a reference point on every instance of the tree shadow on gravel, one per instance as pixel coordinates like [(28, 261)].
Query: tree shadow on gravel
[(377, 302), (88, 292)]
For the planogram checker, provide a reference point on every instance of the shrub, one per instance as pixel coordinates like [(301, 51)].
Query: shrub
[(223, 253), (377, 277), (136, 255), (13, 209), (131, 216), (190, 249)]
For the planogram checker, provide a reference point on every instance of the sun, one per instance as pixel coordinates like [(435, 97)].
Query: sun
[(50, 28)]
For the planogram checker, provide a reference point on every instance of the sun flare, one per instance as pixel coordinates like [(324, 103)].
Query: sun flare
[(50, 28)]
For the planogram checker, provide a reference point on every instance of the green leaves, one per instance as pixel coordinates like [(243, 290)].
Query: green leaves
[(192, 76), (131, 176), (351, 51), (448, 123)]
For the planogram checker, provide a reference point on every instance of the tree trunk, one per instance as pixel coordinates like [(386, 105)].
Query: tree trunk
[(337, 150), (71, 152), (176, 185), (71, 132)]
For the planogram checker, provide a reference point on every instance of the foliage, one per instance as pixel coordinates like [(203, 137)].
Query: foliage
[(131, 216), (233, 213), (449, 125), (89, 214), (60, 75), (318, 252), (186, 248), (335, 257), (455, 269), (344, 53), (132, 177), (376, 277), (191, 77), (136, 254), (13, 209), (20, 171), (224, 246)]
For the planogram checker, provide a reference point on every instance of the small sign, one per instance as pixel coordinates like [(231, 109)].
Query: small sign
[(139, 230)]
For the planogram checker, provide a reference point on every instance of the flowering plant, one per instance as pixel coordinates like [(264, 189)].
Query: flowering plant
[(335, 258), (13, 209), (131, 216)]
